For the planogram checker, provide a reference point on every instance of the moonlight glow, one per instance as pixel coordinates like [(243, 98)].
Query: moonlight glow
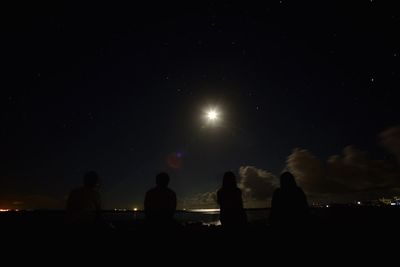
[(212, 115)]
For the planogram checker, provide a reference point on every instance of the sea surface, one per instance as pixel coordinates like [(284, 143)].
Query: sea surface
[(203, 216)]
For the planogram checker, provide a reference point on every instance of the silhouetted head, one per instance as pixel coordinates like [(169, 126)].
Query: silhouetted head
[(287, 180), (162, 179), (91, 179), (229, 180)]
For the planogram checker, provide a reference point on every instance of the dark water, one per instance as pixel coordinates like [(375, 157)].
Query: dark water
[(203, 216), (371, 217), (122, 219)]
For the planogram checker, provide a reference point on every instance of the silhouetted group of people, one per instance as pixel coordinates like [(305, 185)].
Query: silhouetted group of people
[(288, 205)]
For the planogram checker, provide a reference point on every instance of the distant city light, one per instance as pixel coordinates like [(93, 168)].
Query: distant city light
[(135, 209), (358, 202), (4, 210), (119, 209), (327, 206)]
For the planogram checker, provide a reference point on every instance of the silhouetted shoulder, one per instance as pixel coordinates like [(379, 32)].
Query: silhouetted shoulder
[(157, 191), (151, 191)]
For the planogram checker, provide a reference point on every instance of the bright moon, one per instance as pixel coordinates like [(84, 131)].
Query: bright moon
[(212, 115)]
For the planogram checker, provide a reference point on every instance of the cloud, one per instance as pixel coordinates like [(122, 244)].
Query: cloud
[(358, 172), (311, 175), (202, 200), (256, 184), (352, 173), (307, 169), (390, 140)]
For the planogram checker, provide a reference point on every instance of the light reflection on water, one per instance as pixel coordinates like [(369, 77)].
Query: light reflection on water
[(203, 216), (206, 211)]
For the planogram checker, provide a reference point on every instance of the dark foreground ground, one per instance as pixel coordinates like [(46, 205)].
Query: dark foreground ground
[(335, 231)]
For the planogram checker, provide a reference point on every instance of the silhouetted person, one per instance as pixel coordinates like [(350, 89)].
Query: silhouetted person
[(229, 198), (289, 203), (84, 203), (160, 202)]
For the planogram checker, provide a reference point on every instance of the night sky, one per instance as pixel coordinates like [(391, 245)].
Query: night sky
[(122, 90)]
